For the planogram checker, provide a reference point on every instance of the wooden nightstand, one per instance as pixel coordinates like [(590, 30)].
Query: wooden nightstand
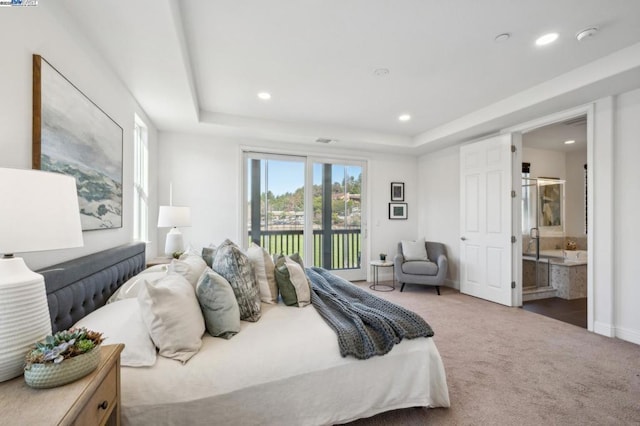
[(92, 400), (158, 261)]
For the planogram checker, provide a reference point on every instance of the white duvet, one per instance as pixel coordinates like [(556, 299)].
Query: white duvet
[(285, 369)]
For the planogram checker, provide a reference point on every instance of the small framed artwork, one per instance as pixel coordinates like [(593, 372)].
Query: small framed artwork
[(397, 210), (397, 191)]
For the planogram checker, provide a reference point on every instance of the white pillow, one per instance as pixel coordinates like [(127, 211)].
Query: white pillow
[(264, 271), (414, 250), (189, 266), (172, 315), (131, 288), (122, 323)]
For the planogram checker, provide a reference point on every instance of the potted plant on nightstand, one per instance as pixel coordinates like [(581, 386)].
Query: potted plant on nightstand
[(62, 358)]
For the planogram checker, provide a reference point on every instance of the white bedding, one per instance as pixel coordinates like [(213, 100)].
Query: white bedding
[(284, 369)]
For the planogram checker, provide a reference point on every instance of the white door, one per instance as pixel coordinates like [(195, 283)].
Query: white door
[(485, 219)]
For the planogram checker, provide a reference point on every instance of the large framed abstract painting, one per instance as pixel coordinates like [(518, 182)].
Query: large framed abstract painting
[(73, 136)]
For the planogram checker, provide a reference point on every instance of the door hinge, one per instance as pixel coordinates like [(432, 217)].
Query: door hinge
[(513, 239), (513, 148), (513, 194), (513, 284)]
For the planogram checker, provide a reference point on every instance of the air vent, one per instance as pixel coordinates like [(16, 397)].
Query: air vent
[(578, 121), (325, 140)]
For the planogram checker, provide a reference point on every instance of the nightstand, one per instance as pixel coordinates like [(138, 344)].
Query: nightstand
[(91, 400), (158, 261)]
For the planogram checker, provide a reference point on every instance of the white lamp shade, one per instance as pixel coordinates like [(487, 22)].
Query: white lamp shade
[(172, 216), (40, 211)]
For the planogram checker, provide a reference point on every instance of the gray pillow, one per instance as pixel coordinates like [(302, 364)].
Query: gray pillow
[(218, 303), (230, 262), (208, 253)]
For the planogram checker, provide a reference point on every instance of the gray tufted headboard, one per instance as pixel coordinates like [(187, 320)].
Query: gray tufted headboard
[(80, 286)]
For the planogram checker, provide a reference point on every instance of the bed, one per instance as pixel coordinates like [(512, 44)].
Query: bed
[(285, 368)]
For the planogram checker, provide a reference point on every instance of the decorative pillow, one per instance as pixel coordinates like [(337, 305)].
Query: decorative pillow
[(292, 281), (122, 323), (172, 315), (414, 250), (131, 288), (208, 253), (264, 270), (189, 266), (234, 266), (218, 304)]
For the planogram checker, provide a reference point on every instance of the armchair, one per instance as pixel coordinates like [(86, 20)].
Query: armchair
[(431, 272)]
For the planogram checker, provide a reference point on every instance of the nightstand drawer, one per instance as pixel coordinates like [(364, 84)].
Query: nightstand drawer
[(102, 403)]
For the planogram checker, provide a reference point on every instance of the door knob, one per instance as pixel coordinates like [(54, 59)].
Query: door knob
[(463, 238)]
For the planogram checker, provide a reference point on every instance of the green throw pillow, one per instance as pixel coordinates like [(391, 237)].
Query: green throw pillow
[(292, 281)]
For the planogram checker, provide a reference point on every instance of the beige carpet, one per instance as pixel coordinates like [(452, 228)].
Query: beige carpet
[(507, 366)]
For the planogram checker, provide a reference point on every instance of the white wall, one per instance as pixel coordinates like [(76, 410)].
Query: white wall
[(574, 193), (206, 173), (544, 163), (626, 223), (439, 178), (48, 31)]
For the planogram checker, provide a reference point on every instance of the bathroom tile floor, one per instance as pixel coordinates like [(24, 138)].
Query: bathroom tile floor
[(571, 311)]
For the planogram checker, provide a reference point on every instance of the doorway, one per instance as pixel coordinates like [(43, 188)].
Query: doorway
[(553, 220)]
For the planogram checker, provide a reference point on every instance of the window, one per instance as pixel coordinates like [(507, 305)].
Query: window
[(140, 182), (306, 205)]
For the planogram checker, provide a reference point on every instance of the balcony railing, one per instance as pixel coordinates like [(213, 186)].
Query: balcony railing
[(343, 252)]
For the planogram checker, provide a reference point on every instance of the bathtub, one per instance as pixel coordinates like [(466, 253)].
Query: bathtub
[(571, 257)]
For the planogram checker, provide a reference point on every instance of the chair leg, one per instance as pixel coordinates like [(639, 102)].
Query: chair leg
[(402, 287), (438, 289)]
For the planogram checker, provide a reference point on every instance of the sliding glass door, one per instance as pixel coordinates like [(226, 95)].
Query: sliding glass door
[(310, 206)]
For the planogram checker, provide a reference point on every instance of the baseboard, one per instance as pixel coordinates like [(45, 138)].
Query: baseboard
[(628, 334), (604, 329), (452, 284)]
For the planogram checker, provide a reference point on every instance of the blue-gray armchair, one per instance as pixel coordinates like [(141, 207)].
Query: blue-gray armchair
[(425, 272)]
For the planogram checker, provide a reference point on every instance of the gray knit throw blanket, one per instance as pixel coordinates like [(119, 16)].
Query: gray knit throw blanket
[(366, 325)]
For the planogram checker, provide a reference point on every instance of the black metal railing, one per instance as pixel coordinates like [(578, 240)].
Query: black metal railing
[(343, 253)]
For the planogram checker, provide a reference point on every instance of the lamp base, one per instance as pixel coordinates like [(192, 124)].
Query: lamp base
[(24, 312), (174, 242)]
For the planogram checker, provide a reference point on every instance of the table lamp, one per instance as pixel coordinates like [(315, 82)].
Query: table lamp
[(174, 216), (40, 212)]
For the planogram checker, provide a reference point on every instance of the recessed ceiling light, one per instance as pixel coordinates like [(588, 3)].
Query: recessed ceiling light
[(380, 72), (265, 96), (502, 37), (569, 142), (404, 117), (546, 39)]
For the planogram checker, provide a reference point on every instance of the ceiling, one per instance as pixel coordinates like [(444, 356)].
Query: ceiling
[(197, 65), (553, 136)]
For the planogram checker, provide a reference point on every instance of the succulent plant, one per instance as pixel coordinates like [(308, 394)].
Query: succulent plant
[(63, 345)]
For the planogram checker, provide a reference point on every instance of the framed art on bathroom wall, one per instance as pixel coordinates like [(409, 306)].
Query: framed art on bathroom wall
[(551, 204)]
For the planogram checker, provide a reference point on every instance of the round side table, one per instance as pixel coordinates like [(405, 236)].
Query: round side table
[(375, 266)]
